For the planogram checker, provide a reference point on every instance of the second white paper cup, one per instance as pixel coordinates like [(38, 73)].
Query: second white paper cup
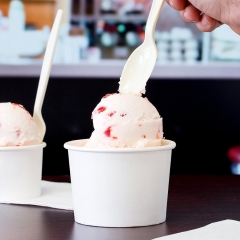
[(20, 172), (119, 187)]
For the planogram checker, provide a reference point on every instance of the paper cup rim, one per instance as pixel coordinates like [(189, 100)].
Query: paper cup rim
[(23, 148), (75, 145)]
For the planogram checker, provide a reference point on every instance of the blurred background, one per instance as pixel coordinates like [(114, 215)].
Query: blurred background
[(195, 84)]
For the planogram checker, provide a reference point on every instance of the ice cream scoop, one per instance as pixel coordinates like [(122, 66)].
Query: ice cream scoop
[(125, 121), (141, 62), (17, 127)]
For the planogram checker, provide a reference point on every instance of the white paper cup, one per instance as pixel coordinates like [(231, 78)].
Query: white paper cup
[(119, 187), (20, 172)]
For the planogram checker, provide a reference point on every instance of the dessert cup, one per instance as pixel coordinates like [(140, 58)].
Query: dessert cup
[(20, 172), (116, 187)]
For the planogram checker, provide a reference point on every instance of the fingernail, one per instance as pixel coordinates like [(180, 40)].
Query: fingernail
[(186, 16), (205, 21)]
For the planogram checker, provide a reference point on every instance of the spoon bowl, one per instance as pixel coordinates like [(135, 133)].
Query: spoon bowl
[(141, 62), (138, 68)]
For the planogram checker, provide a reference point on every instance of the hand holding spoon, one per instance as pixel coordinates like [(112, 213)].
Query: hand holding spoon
[(141, 62)]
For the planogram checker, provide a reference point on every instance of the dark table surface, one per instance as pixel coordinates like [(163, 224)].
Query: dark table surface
[(193, 202)]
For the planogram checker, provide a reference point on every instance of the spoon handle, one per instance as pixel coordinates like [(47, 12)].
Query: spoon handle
[(153, 17), (47, 62)]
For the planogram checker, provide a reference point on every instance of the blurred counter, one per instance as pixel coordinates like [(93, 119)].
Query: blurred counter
[(113, 69)]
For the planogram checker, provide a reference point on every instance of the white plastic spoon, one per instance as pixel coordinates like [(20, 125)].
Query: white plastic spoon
[(141, 62), (45, 72)]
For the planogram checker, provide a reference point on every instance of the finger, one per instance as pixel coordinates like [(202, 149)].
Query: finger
[(207, 23), (220, 10), (235, 29), (177, 4), (191, 14)]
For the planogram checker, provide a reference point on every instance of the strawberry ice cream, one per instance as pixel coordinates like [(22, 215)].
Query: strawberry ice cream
[(125, 121), (17, 126)]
